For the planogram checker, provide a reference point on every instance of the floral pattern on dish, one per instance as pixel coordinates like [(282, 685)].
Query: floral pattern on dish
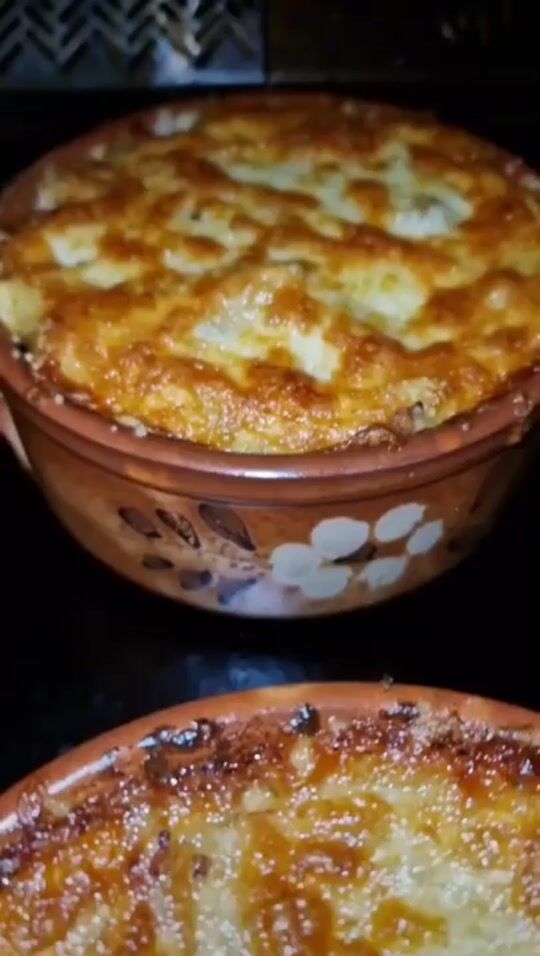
[(324, 568), (312, 567), (342, 552)]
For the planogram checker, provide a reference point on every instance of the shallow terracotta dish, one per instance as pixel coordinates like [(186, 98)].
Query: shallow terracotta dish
[(263, 534), (314, 819)]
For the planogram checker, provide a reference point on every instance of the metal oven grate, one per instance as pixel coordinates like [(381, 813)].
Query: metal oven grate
[(118, 43), (125, 44)]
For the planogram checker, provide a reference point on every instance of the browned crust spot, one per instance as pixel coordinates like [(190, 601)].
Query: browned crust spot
[(209, 759)]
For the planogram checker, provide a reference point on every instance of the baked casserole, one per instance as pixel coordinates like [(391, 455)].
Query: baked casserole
[(397, 826), (278, 274)]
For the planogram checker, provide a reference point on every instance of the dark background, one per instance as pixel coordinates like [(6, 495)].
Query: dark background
[(81, 650)]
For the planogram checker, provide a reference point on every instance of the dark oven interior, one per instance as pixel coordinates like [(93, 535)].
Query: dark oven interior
[(67, 64)]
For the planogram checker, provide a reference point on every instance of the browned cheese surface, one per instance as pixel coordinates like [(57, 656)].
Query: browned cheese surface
[(306, 835), (279, 274)]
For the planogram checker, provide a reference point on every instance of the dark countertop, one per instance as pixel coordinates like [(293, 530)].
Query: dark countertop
[(83, 651)]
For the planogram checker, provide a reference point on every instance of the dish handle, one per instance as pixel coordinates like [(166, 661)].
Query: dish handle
[(10, 433)]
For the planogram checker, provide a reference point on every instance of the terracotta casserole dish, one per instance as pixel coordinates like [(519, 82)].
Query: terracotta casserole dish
[(309, 820), (346, 417)]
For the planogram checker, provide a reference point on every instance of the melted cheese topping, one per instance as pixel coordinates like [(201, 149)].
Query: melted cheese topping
[(279, 274), (382, 836)]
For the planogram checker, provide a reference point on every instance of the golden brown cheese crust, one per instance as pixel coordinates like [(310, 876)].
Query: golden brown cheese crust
[(280, 274), (304, 835)]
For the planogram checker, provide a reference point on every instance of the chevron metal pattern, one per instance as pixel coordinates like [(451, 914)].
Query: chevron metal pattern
[(111, 42)]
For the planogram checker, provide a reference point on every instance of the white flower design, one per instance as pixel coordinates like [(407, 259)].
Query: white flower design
[(425, 537), (311, 568), (303, 565), (399, 522), (336, 538), (294, 563), (383, 572)]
